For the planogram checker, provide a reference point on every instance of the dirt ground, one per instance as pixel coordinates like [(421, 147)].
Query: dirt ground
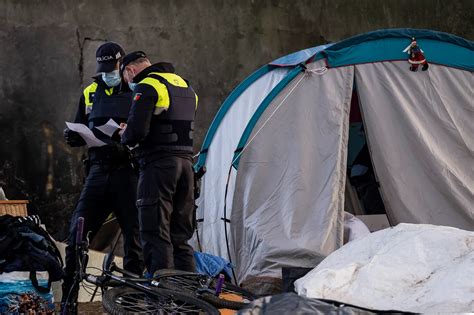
[(91, 308), (88, 308)]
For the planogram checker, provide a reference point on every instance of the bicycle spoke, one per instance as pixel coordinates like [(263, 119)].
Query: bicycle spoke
[(184, 308), (136, 302), (142, 303)]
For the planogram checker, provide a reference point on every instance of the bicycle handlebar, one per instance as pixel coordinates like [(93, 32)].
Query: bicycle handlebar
[(100, 280), (80, 230)]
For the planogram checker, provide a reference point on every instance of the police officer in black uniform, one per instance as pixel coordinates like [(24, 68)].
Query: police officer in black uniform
[(161, 123), (111, 181)]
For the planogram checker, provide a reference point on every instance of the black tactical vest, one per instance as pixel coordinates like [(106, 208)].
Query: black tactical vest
[(172, 130), (104, 106)]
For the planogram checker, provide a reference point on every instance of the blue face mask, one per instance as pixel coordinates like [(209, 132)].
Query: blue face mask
[(111, 78), (132, 85)]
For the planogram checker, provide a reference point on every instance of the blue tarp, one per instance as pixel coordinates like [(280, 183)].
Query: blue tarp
[(212, 265)]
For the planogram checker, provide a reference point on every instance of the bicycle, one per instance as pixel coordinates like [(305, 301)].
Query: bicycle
[(170, 291), (129, 294)]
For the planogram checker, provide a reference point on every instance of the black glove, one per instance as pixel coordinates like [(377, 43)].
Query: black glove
[(116, 137), (73, 138)]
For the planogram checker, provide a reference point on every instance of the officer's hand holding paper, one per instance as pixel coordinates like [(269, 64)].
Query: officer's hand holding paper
[(86, 134), (73, 139), (122, 127)]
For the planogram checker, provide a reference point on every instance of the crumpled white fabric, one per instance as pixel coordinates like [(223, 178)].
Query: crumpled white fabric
[(411, 267)]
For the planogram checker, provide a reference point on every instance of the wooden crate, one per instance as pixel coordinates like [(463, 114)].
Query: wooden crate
[(14, 207)]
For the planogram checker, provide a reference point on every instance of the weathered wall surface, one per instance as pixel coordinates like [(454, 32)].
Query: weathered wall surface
[(47, 56)]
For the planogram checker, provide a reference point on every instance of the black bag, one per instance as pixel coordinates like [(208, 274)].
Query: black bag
[(26, 246)]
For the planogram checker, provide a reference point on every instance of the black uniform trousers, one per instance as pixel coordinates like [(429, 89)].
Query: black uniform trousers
[(109, 187), (166, 211)]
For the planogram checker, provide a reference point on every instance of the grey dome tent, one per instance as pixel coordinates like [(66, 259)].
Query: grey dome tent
[(276, 154)]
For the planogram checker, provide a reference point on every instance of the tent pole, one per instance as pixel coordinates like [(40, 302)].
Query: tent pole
[(225, 225)]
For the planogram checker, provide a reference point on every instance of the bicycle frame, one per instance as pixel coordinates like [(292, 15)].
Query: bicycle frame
[(108, 277)]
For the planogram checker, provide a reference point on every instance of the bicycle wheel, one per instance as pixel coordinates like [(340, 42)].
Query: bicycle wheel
[(232, 297), (126, 300)]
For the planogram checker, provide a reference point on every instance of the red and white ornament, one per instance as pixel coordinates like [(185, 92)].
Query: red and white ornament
[(416, 56)]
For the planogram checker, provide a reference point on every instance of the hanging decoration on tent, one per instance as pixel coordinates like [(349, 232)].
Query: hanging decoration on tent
[(416, 56)]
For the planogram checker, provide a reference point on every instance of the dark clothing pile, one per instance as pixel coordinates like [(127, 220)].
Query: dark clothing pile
[(26, 246)]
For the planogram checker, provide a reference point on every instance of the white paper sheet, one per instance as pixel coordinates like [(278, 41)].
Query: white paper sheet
[(86, 134), (109, 128)]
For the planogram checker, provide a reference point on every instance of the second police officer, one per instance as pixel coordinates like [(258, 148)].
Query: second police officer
[(161, 124)]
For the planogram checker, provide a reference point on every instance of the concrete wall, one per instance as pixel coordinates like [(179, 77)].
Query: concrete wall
[(47, 57)]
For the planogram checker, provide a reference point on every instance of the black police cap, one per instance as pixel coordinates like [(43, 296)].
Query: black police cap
[(107, 56), (131, 57)]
